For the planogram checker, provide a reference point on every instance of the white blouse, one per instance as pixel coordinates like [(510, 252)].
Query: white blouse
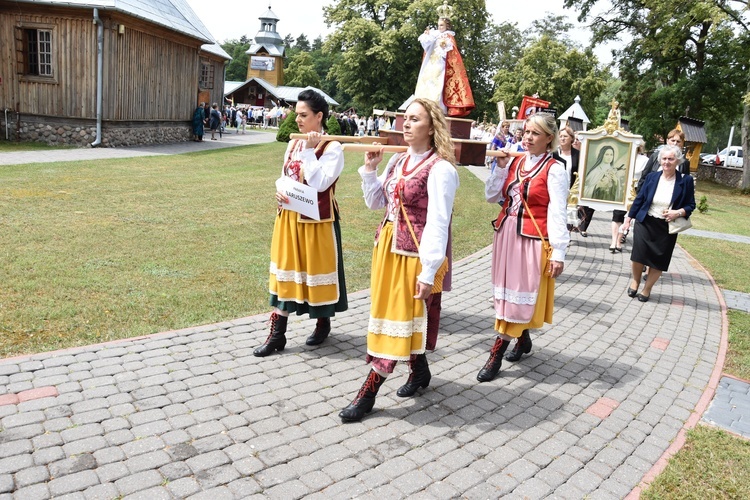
[(557, 210), (442, 184), (319, 173), (662, 197), (568, 164)]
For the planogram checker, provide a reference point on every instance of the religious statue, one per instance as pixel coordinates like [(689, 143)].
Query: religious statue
[(442, 77)]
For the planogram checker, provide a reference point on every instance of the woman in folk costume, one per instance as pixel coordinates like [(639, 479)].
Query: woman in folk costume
[(442, 76), (307, 268), (417, 189), (534, 193)]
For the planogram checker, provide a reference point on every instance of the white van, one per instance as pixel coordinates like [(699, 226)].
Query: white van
[(733, 158), (730, 157)]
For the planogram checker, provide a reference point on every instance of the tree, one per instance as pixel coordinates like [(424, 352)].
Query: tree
[(603, 103), (688, 57), (300, 71), (302, 43), (554, 71), (237, 68), (377, 55)]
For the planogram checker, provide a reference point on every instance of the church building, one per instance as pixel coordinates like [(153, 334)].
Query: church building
[(265, 71)]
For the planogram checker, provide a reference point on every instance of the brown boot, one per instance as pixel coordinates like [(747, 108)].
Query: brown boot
[(322, 329), (419, 377), (365, 399), (276, 341), (492, 366), (523, 346)]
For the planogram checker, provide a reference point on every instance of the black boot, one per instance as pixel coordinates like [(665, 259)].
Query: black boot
[(276, 339), (523, 346), (419, 377), (492, 366), (365, 399), (322, 329)]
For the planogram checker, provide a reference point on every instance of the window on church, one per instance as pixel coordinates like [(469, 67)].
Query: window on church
[(35, 52), (207, 75)]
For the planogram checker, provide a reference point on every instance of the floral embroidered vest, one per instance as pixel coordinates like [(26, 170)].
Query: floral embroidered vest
[(412, 191)]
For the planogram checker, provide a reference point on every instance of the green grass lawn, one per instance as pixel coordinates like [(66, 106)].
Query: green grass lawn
[(13, 146), (728, 212), (714, 463), (96, 251), (738, 355)]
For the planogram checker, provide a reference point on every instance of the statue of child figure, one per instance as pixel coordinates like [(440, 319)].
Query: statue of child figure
[(442, 77)]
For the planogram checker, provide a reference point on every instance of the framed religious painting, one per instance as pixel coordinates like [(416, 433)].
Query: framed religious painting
[(606, 167)]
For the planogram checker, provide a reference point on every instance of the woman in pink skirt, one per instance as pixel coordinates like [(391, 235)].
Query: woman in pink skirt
[(533, 189)]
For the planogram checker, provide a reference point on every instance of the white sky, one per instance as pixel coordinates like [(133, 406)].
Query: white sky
[(230, 19)]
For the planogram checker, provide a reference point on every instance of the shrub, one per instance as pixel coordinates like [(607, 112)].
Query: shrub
[(703, 204), (333, 126), (288, 126)]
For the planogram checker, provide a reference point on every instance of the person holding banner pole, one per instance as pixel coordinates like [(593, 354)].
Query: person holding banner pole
[(533, 190), (307, 267), (417, 189)]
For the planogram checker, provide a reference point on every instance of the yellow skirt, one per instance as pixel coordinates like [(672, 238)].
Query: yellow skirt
[(545, 304), (304, 261), (398, 322)]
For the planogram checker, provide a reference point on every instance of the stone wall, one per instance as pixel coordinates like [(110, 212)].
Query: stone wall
[(81, 133), (727, 176)]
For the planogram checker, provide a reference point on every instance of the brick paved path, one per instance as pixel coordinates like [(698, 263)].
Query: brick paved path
[(193, 414)]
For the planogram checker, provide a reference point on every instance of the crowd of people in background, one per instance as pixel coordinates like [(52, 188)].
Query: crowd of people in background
[(352, 124), (242, 117), (239, 118), (497, 137)]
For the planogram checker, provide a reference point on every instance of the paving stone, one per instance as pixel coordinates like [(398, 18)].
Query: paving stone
[(23, 419), (6, 483), (316, 480), (184, 487), (147, 461), (105, 491), (12, 448), (111, 472), (32, 475), (142, 446), (175, 470), (46, 456), (207, 461), (533, 488), (217, 476), (13, 464), (34, 492), (73, 482), (138, 482), (88, 445)]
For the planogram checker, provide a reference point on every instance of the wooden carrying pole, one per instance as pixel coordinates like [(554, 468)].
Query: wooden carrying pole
[(502, 153), (373, 148), (343, 138)]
